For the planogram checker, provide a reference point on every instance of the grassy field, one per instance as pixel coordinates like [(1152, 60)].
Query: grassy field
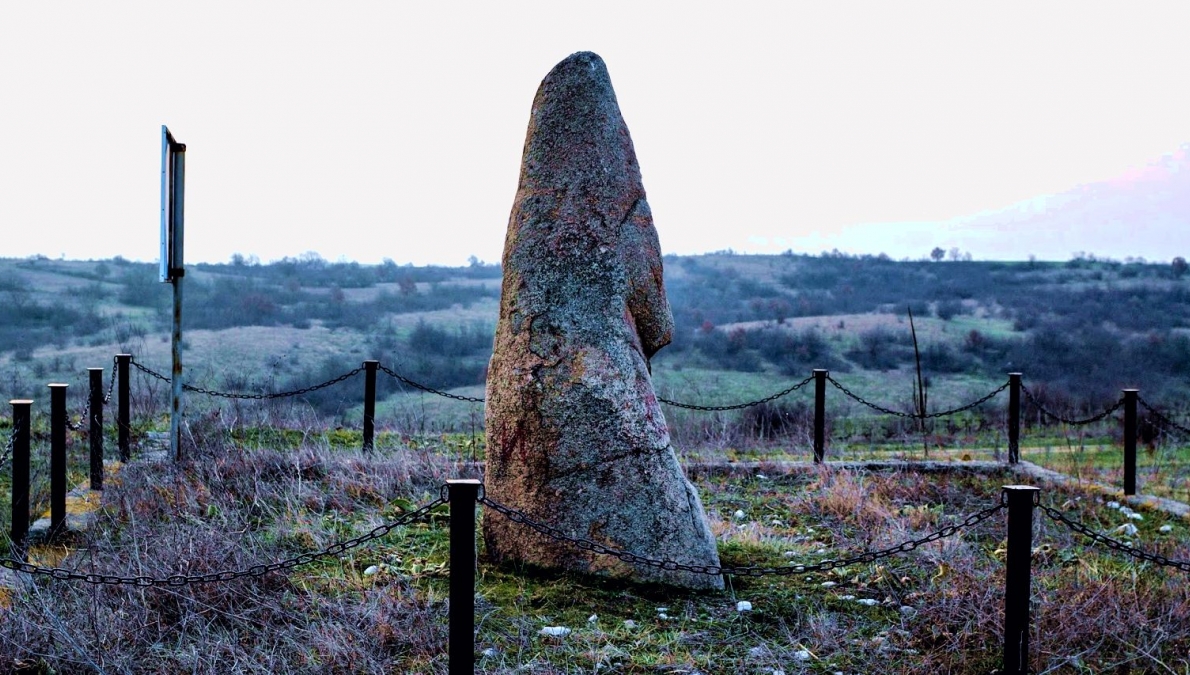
[(382, 607)]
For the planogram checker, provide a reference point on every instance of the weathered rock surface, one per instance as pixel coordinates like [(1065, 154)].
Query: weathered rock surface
[(575, 435)]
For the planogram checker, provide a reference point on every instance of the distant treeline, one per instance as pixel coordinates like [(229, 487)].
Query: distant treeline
[(1085, 328)]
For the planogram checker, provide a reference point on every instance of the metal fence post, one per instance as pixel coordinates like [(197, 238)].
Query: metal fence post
[(123, 423), (1021, 499), (1130, 397), (57, 458), (369, 403), (96, 427), (819, 414), (462, 496), (1014, 418), (20, 476)]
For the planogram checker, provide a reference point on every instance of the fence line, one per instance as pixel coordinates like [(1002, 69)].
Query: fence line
[(464, 496)]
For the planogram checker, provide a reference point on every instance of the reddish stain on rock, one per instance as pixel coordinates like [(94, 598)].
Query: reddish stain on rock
[(575, 434)]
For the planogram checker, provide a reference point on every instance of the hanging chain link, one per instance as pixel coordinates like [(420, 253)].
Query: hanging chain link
[(917, 416), (253, 571), (430, 390), (85, 417), (255, 397), (1113, 544), (111, 384), (738, 406), (1161, 417), (7, 453), (748, 571), (1089, 420)]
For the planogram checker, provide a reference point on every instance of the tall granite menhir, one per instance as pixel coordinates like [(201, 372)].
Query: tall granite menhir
[(575, 435)]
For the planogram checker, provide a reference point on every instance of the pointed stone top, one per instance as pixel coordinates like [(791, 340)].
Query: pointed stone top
[(576, 135)]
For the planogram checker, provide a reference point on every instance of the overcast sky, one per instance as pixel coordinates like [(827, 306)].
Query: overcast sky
[(371, 130)]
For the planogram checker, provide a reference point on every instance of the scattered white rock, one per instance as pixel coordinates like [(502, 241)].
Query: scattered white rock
[(662, 615), (778, 671), (740, 515), (1127, 529), (829, 584), (846, 597), (1113, 505), (1165, 529), (662, 609), (743, 606), (793, 554), (907, 610), (593, 618), (629, 624), (758, 652), (372, 569), (802, 655), (869, 602), (1135, 516), (488, 653), (761, 476), (820, 551), (555, 631)]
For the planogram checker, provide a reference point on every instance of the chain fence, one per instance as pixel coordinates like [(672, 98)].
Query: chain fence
[(917, 416), (1161, 418), (430, 390), (254, 397), (1090, 420), (738, 406), (253, 571), (1113, 544), (554, 533)]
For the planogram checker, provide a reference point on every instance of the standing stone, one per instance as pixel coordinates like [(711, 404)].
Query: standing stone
[(575, 435)]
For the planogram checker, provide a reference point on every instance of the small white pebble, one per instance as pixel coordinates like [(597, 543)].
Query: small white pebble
[(778, 671), (829, 584), (488, 653), (868, 602), (758, 652), (629, 624), (372, 569), (1127, 529), (1165, 528), (662, 615), (907, 610), (740, 515), (662, 609), (793, 554), (1113, 505), (801, 655), (743, 606), (555, 631), (761, 476), (593, 618), (846, 597), (820, 551), (1135, 516)]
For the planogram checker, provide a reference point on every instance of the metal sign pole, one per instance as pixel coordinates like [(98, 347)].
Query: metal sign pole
[(173, 192)]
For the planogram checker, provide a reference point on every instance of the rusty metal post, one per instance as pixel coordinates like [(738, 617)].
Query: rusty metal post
[(369, 403), (462, 495), (1130, 433), (20, 476), (95, 431), (1021, 499), (819, 414), (57, 459), (1014, 418), (123, 417)]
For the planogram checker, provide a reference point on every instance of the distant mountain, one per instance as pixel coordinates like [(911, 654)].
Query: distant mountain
[(1142, 213)]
